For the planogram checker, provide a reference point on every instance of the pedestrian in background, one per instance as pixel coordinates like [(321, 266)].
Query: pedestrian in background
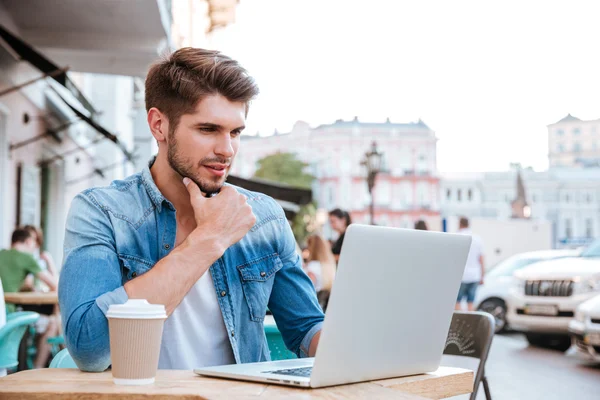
[(474, 269)]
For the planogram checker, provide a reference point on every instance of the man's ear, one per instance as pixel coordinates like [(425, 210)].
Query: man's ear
[(158, 123)]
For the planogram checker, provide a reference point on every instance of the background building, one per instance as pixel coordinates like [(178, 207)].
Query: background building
[(567, 197), (68, 102), (406, 190), (573, 142)]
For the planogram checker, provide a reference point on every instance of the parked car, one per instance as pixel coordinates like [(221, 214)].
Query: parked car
[(545, 295), (585, 329), (492, 296)]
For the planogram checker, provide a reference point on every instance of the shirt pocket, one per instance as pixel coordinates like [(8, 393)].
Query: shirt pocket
[(257, 282), (132, 267)]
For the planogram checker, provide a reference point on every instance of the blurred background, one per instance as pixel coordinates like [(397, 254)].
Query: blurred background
[(393, 111)]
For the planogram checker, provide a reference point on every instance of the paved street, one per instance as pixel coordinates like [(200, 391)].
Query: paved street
[(517, 371)]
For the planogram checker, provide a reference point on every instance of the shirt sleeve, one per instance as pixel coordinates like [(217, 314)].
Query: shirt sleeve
[(90, 281), (293, 299), (32, 266)]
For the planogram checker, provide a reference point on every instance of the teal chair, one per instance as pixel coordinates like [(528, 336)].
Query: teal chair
[(63, 360), (276, 345), (11, 335)]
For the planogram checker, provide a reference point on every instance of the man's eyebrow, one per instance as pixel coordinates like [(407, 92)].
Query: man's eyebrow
[(216, 126)]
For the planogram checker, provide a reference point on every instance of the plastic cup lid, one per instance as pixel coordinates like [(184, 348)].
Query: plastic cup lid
[(136, 309)]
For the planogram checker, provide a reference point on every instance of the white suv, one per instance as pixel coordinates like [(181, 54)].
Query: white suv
[(545, 295)]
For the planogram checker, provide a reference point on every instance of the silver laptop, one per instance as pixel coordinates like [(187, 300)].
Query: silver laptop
[(388, 314)]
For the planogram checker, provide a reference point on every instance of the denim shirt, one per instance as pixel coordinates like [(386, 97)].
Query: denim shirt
[(116, 233)]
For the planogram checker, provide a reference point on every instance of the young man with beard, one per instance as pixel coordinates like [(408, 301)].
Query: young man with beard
[(175, 234)]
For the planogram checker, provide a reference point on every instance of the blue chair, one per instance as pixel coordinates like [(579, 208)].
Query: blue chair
[(276, 345), (63, 360), (11, 335)]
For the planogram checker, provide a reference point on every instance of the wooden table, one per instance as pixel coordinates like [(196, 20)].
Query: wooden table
[(31, 298), (71, 384)]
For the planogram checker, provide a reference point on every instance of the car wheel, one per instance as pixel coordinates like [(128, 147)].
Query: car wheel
[(555, 342), (535, 339), (497, 308)]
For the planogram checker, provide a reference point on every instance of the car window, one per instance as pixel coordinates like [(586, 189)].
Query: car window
[(510, 265), (593, 250)]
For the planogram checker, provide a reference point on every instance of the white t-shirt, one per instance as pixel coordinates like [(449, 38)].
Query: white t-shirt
[(315, 268), (473, 267), (194, 335)]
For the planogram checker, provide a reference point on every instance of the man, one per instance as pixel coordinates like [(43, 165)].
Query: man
[(474, 269), (15, 265), (215, 255)]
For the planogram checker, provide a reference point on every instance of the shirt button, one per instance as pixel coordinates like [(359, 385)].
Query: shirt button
[(263, 274), (232, 333), (223, 293), (167, 246), (134, 274)]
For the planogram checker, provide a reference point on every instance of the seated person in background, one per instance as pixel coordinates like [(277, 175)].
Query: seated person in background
[(320, 267), (339, 221), (43, 258), (15, 264)]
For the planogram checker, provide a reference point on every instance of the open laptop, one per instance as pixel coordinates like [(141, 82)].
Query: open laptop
[(388, 313)]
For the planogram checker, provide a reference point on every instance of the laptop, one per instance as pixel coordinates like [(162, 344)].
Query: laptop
[(388, 314)]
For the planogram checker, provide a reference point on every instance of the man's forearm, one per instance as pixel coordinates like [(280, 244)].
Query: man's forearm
[(314, 343), (172, 277)]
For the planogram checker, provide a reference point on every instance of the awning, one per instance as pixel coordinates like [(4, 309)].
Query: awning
[(289, 197), (37, 60), (29, 54), (98, 128)]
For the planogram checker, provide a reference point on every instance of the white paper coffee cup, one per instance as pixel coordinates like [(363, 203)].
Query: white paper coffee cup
[(135, 330)]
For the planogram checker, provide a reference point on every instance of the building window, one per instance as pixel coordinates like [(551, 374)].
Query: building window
[(594, 146), (560, 132), (533, 198), (448, 194), (588, 198), (589, 228), (568, 229), (593, 130), (576, 131), (567, 198), (560, 148), (459, 195), (576, 147), (470, 195)]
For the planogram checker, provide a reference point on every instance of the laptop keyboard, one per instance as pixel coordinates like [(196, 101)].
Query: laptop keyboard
[(304, 372)]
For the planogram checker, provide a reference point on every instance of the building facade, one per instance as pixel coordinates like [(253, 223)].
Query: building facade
[(567, 197), (67, 103), (573, 142), (406, 190)]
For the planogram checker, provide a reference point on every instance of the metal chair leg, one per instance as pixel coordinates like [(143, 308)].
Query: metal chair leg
[(486, 388)]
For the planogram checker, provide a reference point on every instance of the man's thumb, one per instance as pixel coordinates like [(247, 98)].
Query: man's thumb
[(193, 189)]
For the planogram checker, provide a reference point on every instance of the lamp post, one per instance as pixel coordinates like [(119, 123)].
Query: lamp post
[(372, 162)]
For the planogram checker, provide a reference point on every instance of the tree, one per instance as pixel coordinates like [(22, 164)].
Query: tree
[(286, 168)]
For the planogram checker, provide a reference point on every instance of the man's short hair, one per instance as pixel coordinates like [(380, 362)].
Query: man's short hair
[(178, 83), (20, 235), (464, 222)]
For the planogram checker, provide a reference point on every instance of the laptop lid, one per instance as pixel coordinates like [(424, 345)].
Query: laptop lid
[(391, 304)]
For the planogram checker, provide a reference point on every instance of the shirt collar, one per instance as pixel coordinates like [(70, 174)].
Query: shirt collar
[(155, 195)]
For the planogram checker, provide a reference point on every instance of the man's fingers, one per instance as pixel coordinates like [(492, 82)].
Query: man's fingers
[(193, 189)]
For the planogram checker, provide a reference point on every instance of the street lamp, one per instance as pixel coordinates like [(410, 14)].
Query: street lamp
[(372, 162)]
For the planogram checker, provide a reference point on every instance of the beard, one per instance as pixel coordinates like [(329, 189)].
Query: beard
[(185, 167)]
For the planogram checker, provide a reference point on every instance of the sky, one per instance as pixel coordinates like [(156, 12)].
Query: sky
[(486, 76)]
